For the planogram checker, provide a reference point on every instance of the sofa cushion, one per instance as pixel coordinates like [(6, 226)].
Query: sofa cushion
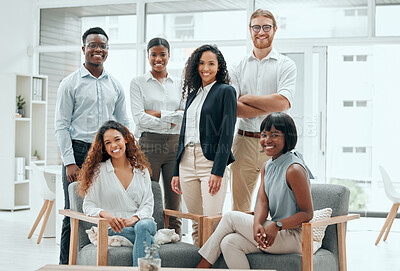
[(323, 259), (178, 254)]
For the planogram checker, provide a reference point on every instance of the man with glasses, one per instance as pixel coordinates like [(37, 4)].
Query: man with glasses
[(265, 82), (86, 99)]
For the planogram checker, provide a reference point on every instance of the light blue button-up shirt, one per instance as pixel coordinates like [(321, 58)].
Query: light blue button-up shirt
[(84, 103)]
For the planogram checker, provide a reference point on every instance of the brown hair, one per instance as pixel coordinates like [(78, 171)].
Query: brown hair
[(262, 12), (98, 154)]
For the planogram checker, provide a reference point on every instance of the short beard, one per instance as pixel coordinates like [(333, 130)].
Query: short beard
[(261, 45)]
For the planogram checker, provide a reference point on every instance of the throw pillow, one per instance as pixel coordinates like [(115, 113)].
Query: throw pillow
[(319, 232), (114, 241)]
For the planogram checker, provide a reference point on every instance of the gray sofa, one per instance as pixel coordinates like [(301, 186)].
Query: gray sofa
[(326, 258), (178, 254)]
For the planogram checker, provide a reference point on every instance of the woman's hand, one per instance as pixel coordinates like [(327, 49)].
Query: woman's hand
[(129, 222), (214, 184), (116, 223), (175, 185), (259, 235), (271, 231)]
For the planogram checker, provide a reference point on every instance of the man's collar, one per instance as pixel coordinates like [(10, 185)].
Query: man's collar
[(273, 54), (85, 72)]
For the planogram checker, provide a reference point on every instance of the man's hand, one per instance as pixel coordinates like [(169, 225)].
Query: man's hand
[(246, 99), (175, 185), (129, 222), (154, 113), (72, 172), (214, 184), (116, 223)]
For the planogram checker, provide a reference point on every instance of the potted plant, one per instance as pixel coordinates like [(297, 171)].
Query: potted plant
[(20, 105), (35, 156), (151, 262)]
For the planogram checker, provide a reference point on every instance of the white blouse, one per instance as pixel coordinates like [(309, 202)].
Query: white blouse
[(192, 129), (149, 94), (108, 194)]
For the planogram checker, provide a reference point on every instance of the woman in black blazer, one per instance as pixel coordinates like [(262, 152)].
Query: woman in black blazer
[(206, 135)]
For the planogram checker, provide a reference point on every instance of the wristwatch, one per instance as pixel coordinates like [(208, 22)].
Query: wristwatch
[(279, 225)]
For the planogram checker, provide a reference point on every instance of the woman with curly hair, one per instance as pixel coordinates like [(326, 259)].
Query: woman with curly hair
[(206, 134), (115, 183)]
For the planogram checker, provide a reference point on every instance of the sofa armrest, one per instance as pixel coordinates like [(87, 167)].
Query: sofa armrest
[(81, 216), (102, 243), (307, 236), (333, 220), (197, 218)]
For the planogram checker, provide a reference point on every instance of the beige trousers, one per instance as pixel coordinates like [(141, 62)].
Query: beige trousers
[(194, 174), (249, 159), (234, 239)]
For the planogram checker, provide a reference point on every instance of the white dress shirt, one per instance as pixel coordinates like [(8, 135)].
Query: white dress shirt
[(147, 93), (192, 130), (275, 73), (84, 103), (108, 194)]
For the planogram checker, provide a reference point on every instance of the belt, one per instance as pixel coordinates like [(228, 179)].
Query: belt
[(249, 134), (81, 143), (191, 144)]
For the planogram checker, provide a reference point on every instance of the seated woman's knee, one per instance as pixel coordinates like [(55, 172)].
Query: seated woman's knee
[(145, 225), (228, 242)]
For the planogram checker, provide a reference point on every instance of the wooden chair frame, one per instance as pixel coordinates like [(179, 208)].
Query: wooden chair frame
[(102, 224), (307, 235), (388, 223)]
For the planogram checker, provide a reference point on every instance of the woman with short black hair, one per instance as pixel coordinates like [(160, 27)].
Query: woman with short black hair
[(284, 193)]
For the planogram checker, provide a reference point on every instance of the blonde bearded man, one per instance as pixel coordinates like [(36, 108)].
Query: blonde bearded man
[(265, 82)]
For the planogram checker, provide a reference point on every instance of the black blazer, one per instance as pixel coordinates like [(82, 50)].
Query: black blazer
[(217, 125)]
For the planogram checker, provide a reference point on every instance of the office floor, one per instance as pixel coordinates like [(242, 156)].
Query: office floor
[(19, 253)]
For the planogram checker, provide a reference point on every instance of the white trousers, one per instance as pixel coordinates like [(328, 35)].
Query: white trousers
[(194, 174), (234, 239)]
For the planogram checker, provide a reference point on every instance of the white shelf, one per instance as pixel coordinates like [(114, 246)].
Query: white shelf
[(22, 119), (25, 136), (21, 207), (38, 162), (39, 102), (21, 182)]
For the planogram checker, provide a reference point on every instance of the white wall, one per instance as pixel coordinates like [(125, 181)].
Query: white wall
[(17, 32)]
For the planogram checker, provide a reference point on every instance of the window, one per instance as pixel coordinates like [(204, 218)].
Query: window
[(387, 18), (194, 20), (361, 103), (316, 19)]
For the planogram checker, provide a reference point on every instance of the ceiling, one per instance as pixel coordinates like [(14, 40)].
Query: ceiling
[(207, 5)]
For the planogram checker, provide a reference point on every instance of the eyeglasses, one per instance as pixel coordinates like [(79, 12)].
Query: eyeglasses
[(94, 45), (257, 28)]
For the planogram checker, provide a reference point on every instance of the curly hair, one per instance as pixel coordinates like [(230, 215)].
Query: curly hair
[(192, 79), (98, 154)]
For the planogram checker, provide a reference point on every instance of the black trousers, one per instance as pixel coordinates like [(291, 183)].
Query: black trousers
[(160, 150), (80, 151)]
